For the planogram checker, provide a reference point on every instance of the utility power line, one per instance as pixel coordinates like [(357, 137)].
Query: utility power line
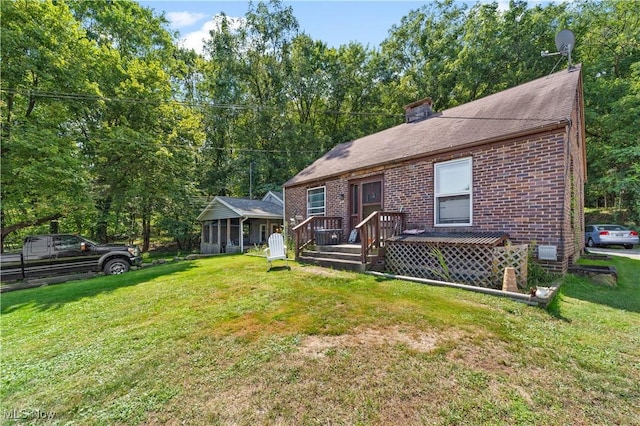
[(229, 106), (239, 107)]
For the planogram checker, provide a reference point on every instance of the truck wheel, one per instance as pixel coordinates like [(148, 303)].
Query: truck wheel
[(116, 267)]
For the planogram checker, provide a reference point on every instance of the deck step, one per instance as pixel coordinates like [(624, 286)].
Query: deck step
[(340, 248), (354, 257), (338, 256), (341, 264)]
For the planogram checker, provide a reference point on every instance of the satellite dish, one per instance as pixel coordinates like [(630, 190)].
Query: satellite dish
[(565, 41)]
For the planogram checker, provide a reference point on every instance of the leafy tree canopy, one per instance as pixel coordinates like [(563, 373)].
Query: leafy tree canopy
[(112, 128)]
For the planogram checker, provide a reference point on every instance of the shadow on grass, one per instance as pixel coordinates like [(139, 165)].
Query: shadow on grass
[(54, 297), (626, 296), (279, 268)]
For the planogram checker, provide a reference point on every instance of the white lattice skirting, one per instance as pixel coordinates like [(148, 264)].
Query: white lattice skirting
[(477, 265)]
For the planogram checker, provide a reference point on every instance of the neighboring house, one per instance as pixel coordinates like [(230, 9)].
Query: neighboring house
[(232, 225), (513, 162)]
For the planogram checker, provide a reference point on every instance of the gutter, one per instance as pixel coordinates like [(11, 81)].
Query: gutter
[(518, 297)]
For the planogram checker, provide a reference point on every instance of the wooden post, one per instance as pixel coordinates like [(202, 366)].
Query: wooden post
[(509, 280)]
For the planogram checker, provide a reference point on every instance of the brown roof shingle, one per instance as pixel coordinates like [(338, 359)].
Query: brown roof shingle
[(540, 104)]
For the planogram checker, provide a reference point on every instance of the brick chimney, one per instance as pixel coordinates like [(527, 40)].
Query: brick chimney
[(418, 110)]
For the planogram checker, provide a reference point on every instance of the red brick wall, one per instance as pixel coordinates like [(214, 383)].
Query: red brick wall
[(575, 177), (522, 187)]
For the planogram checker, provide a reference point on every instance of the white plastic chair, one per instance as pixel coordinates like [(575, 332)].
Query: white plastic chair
[(277, 250)]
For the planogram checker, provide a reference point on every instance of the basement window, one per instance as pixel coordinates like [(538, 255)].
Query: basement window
[(316, 201), (453, 196)]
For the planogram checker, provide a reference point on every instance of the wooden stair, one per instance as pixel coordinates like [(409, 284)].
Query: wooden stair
[(340, 256)]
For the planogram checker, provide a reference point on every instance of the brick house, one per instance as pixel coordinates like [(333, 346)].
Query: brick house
[(513, 162)]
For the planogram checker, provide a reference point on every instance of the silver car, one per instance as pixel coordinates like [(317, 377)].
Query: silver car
[(609, 235)]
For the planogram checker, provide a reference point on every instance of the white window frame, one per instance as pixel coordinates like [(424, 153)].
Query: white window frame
[(263, 232), (436, 195), (324, 202)]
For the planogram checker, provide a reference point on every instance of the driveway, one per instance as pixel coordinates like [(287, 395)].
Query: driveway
[(632, 254)]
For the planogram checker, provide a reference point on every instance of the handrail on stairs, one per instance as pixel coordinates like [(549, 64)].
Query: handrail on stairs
[(305, 232), (373, 231)]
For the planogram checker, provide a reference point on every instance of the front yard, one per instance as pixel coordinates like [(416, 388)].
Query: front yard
[(222, 341)]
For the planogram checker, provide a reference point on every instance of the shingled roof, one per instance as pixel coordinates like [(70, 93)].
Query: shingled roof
[(224, 207), (538, 105)]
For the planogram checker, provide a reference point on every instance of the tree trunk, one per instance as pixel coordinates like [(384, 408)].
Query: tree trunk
[(146, 228), (101, 230), (146, 233)]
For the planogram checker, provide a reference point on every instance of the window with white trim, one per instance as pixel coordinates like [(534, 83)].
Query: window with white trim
[(452, 192), (316, 201), (263, 232)]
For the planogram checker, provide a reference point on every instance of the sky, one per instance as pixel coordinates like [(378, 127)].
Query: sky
[(334, 22)]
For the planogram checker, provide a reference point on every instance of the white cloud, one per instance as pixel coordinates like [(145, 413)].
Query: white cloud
[(184, 19), (196, 39), (503, 5)]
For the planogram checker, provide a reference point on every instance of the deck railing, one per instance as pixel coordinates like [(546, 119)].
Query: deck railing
[(378, 226), (305, 233)]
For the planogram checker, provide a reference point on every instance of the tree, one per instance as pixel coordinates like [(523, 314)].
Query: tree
[(44, 52), (501, 49), (141, 144), (419, 54), (246, 86), (608, 35)]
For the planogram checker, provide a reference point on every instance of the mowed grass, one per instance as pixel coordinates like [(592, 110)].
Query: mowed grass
[(222, 341)]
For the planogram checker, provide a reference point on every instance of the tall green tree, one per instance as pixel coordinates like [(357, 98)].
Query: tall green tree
[(140, 149), (45, 57), (501, 49), (222, 95), (419, 54), (248, 75), (608, 45)]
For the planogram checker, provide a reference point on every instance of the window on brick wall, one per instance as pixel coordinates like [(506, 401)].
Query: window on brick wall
[(316, 201), (453, 197)]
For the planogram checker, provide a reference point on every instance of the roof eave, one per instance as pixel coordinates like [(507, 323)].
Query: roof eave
[(516, 135), (263, 216)]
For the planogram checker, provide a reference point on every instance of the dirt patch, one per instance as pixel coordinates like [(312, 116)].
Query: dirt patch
[(326, 272), (483, 352), (318, 346)]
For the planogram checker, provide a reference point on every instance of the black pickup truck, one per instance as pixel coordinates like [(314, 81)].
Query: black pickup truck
[(64, 254)]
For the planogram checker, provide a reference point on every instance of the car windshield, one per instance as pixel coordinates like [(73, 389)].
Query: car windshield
[(614, 228)]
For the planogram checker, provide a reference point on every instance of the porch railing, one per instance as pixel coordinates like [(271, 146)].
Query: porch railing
[(305, 232), (378, 226)]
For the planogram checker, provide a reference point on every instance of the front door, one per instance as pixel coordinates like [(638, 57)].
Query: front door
[(365, 197)]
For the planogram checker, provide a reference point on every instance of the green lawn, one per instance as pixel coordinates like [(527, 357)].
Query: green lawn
[(222, 341)]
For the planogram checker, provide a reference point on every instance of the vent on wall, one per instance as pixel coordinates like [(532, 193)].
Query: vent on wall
[(548, 252), (418, 110)]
